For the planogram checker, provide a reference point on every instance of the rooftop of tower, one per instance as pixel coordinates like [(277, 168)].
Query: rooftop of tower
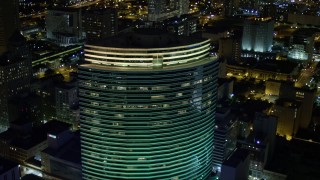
[(146, 38)]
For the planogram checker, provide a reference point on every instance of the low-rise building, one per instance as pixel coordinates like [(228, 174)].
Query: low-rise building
[(289, 115), (265, 70), (62, 158), (22, 142)]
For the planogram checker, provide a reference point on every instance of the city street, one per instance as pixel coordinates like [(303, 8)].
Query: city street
[(306, 76), (84, 4)]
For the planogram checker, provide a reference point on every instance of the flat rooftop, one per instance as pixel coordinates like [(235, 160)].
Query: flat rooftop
[(31, 177), (305, 32), (6, 165), (237, 157), (28, 140), (146, 38), (71, 151), (285, 67)]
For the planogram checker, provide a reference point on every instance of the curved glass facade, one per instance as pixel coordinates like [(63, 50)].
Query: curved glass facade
[(141, 122)]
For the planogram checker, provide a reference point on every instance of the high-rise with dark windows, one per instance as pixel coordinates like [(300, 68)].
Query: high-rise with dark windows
[(100, 23), (147, 105), (15, 75), (9, 22)]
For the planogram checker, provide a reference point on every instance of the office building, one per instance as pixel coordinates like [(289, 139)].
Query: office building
[(302, 45), (305, 97), (225, 137), (66, 101), (147, 105), (237, 166), (183, 7), (159, 10), (297, 52), (183, 25), (225, 89), (100, 23), (266, 70), (230, 49), (257, 34), (9, 22), (64, 26), (287, 90), (15, 75), (261, 143), (289, 115), (265, 125), (62, 158), (156, 10), (303, 19)]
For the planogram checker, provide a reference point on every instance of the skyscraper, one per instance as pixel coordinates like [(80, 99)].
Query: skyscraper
[(159, 10), (9, 22), (230, 7), (100, 23), (225, 137), (156, 10), (15, 74), (147, 104), (257, 34), (183, 7)]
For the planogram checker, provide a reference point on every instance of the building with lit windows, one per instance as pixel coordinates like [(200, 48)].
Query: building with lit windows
[(64, 26), (257, 34), (159, 10), (289, 116), (147, 107), (15, 75), (225, 137), (183, 25), (298, 52), (156, 10), (66, 99), (100, 23), (302, 44), (183, 7)]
